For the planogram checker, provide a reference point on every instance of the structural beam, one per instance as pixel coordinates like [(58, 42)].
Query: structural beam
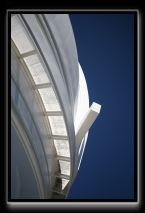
[(59, 137), (41, 86), (63, 158), (67, 177), (87, 121), (24, 55), (54, 113)]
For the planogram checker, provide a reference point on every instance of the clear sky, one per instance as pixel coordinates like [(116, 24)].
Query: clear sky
[(105, 45)]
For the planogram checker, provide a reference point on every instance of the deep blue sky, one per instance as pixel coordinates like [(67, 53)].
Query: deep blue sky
[(105, 45)]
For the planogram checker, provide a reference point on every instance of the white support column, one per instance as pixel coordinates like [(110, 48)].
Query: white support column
[(87, 121)]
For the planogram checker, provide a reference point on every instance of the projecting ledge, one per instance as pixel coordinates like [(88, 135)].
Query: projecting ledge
[(87, 121)]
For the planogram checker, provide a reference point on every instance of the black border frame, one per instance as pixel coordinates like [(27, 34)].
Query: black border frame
[(135, 110)]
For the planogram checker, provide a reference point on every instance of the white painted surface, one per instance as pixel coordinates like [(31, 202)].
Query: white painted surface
[(87, 121), (83, 99)]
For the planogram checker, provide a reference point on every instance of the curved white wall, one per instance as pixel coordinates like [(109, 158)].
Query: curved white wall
[(50, 95)]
